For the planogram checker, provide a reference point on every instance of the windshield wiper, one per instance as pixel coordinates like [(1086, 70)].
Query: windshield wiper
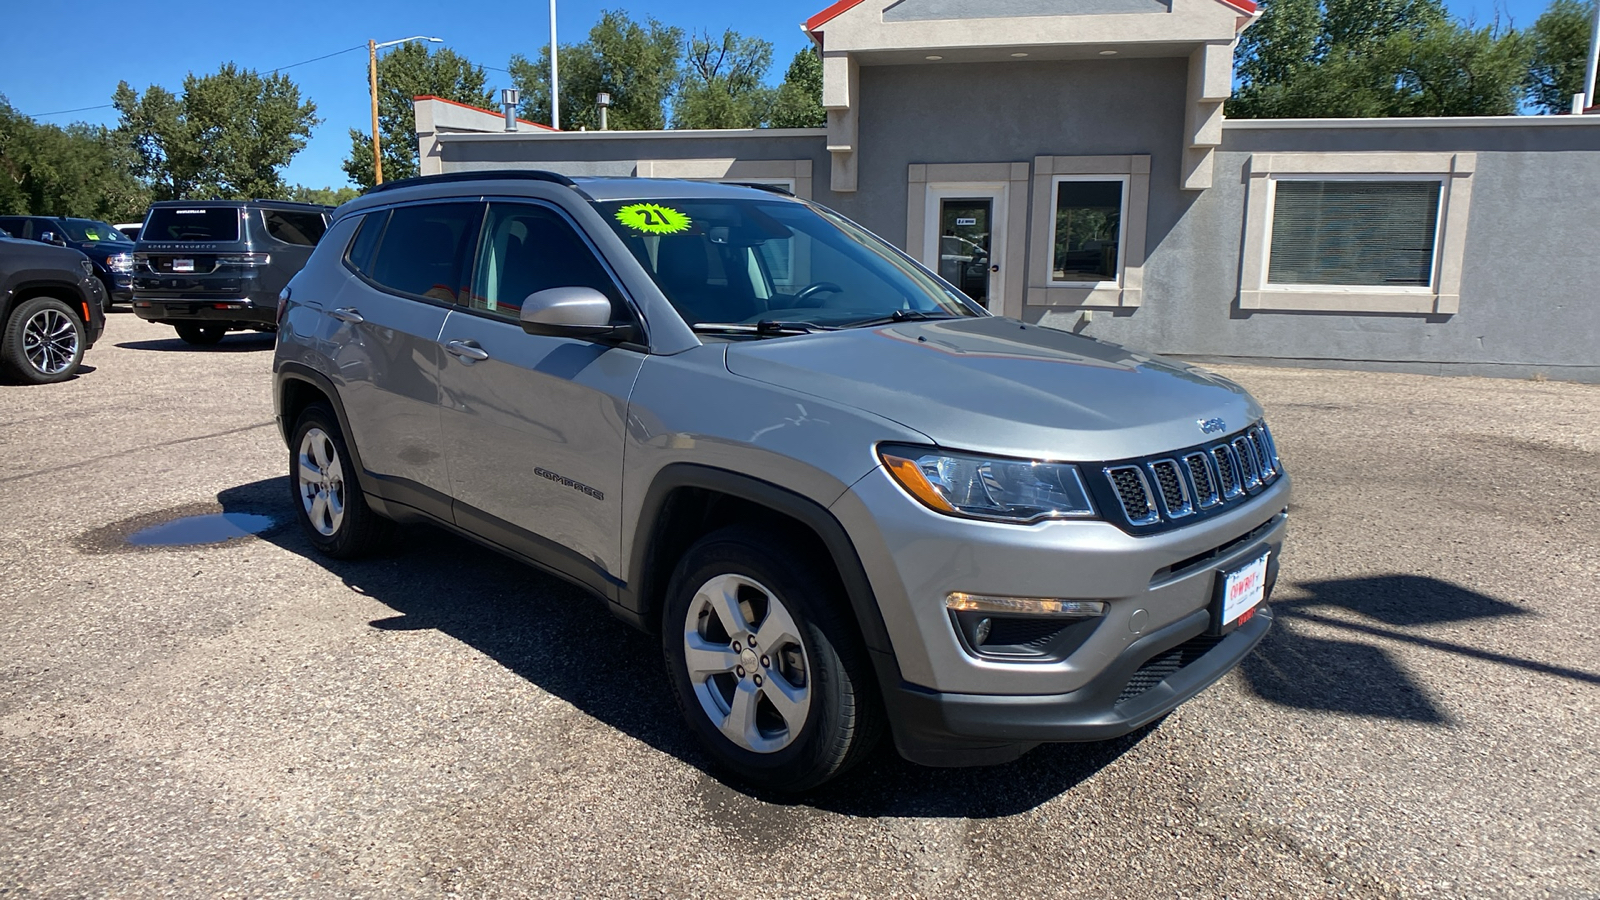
[(763, 328), (901, 315)]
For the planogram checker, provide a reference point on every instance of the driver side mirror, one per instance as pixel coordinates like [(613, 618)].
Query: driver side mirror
[(573, 312), (50, 237)]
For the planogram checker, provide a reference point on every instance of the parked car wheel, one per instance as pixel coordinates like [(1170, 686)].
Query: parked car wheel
[(43, 342), (768, 673), (201, 335), (329, 504)]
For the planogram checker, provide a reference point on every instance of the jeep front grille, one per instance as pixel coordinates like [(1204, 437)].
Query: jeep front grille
[(1196, 482)]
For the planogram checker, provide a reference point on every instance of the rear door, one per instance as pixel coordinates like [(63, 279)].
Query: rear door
[(533, 426), (384, 326)]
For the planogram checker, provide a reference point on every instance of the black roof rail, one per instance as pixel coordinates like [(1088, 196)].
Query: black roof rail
[(769, 188), (480, 175)]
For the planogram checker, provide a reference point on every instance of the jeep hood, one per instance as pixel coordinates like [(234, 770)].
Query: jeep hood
[(998, 386)]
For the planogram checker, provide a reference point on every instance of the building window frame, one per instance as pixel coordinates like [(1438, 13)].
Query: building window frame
[(1126, 289), (1056, 182), (1453, 171)]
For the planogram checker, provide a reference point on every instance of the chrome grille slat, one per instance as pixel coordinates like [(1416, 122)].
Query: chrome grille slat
[(1173, 489), (1249, 472), (1263, 458), (1133, 492), (1206, 494), (1228, 471)]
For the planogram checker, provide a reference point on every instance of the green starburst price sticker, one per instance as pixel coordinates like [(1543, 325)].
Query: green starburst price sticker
[(653, 218)]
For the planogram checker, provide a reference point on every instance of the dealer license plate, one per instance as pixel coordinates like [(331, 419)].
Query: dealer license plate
[(183, 265), (1243, 589)]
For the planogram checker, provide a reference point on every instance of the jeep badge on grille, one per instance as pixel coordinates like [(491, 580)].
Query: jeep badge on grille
[(1211, 426)]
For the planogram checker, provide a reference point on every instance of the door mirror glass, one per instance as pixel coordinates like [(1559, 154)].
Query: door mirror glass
[(50, 237), (575, 312)]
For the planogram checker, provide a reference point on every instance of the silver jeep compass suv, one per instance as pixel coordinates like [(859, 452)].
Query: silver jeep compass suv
[(845, 496)]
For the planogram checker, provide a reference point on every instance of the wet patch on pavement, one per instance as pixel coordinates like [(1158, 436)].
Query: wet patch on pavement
[(180, 527)]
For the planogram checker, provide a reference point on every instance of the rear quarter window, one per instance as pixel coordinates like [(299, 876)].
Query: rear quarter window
[(302, 228), (198, 224)]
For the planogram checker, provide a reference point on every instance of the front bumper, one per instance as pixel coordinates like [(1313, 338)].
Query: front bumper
[(224, 310), (946, 729)]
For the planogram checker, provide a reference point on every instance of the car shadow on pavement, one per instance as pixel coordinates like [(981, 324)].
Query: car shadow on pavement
[(561, 639), (242, 342), (1358, 676)]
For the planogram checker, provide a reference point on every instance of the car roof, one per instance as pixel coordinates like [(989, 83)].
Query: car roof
[(235, 204), (594, 187)]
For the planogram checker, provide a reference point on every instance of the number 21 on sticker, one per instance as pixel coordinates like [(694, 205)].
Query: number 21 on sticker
[(652, 218)]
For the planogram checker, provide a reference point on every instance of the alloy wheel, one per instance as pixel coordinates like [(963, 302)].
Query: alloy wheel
[(50, 341), (320, 478), (747, 663)]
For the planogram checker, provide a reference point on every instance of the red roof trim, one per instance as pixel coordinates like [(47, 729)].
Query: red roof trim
[(478, 109), (834, 11)]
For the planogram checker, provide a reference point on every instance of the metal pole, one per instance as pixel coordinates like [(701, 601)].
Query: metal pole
[(377, 150), (555, 85), (1594, 58)]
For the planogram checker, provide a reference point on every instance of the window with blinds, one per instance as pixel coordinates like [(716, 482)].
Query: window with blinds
[(1354, 233)]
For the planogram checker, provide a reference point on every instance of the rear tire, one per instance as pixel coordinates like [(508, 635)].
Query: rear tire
[(201, 335), (794, 705), (327, 499), (43, 342)]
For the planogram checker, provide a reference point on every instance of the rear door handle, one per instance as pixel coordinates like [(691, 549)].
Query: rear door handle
[(348, 314), (467, 350)]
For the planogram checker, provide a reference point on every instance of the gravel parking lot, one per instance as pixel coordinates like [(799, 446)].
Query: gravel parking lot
[(246, 719)]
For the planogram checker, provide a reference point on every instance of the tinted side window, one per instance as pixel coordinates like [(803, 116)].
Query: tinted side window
[(366, 240), (13, 225), (300, 228), (420, 252), (526, 249)]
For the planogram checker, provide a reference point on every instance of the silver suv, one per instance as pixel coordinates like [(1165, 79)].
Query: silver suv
[(844, 495)]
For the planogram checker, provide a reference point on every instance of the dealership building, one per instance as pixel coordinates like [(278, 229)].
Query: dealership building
[(1067, 162)]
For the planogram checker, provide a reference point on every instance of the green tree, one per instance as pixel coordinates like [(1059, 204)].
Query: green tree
[(405, 73), (1344, 58), (722, 83), (799, 99), (327, 196), (77, 170), (1560, 39), (636, 63), (229, 135)]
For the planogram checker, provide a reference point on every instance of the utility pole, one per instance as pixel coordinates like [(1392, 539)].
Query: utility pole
[(555, 85), (1594, 60), (377, 152)]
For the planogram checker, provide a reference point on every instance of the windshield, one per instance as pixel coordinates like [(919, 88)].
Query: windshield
[(91, 230), (206, 223), (751, 260)]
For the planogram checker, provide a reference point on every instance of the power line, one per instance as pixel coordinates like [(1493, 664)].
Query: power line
[(317, 59), (62, 112)]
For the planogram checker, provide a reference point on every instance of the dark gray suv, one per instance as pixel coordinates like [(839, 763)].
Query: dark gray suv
[(846, 498), (208, 267)]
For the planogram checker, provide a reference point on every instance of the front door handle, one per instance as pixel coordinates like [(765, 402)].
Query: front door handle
[(467, 350), (994, 268), (348, 314)]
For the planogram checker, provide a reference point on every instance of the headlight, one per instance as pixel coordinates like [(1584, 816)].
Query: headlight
[(121, 263), (1005, 490), (88, 268)]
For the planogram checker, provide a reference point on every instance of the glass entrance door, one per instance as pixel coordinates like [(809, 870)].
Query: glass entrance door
[(966, 243)]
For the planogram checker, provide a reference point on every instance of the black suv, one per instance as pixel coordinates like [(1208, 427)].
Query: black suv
[(52, 309), (207, 267), (109, 250)]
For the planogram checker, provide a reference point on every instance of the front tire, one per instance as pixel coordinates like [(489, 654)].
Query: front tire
[(327, 499), (768, 672), (201, 335), (43, 342)]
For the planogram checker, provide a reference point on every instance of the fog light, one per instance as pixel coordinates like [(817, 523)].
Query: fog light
[(980, 633), (959, 601)]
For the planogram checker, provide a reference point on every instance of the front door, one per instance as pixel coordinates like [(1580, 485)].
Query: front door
[(533, 425), (964, 241)]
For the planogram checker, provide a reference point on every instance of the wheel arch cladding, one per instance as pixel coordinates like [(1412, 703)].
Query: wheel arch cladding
[(687, 501)]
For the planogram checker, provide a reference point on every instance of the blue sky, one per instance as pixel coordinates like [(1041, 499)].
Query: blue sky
[(61, 56)]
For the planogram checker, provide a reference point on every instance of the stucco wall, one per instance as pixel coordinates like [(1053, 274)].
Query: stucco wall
[(1530, 289)]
